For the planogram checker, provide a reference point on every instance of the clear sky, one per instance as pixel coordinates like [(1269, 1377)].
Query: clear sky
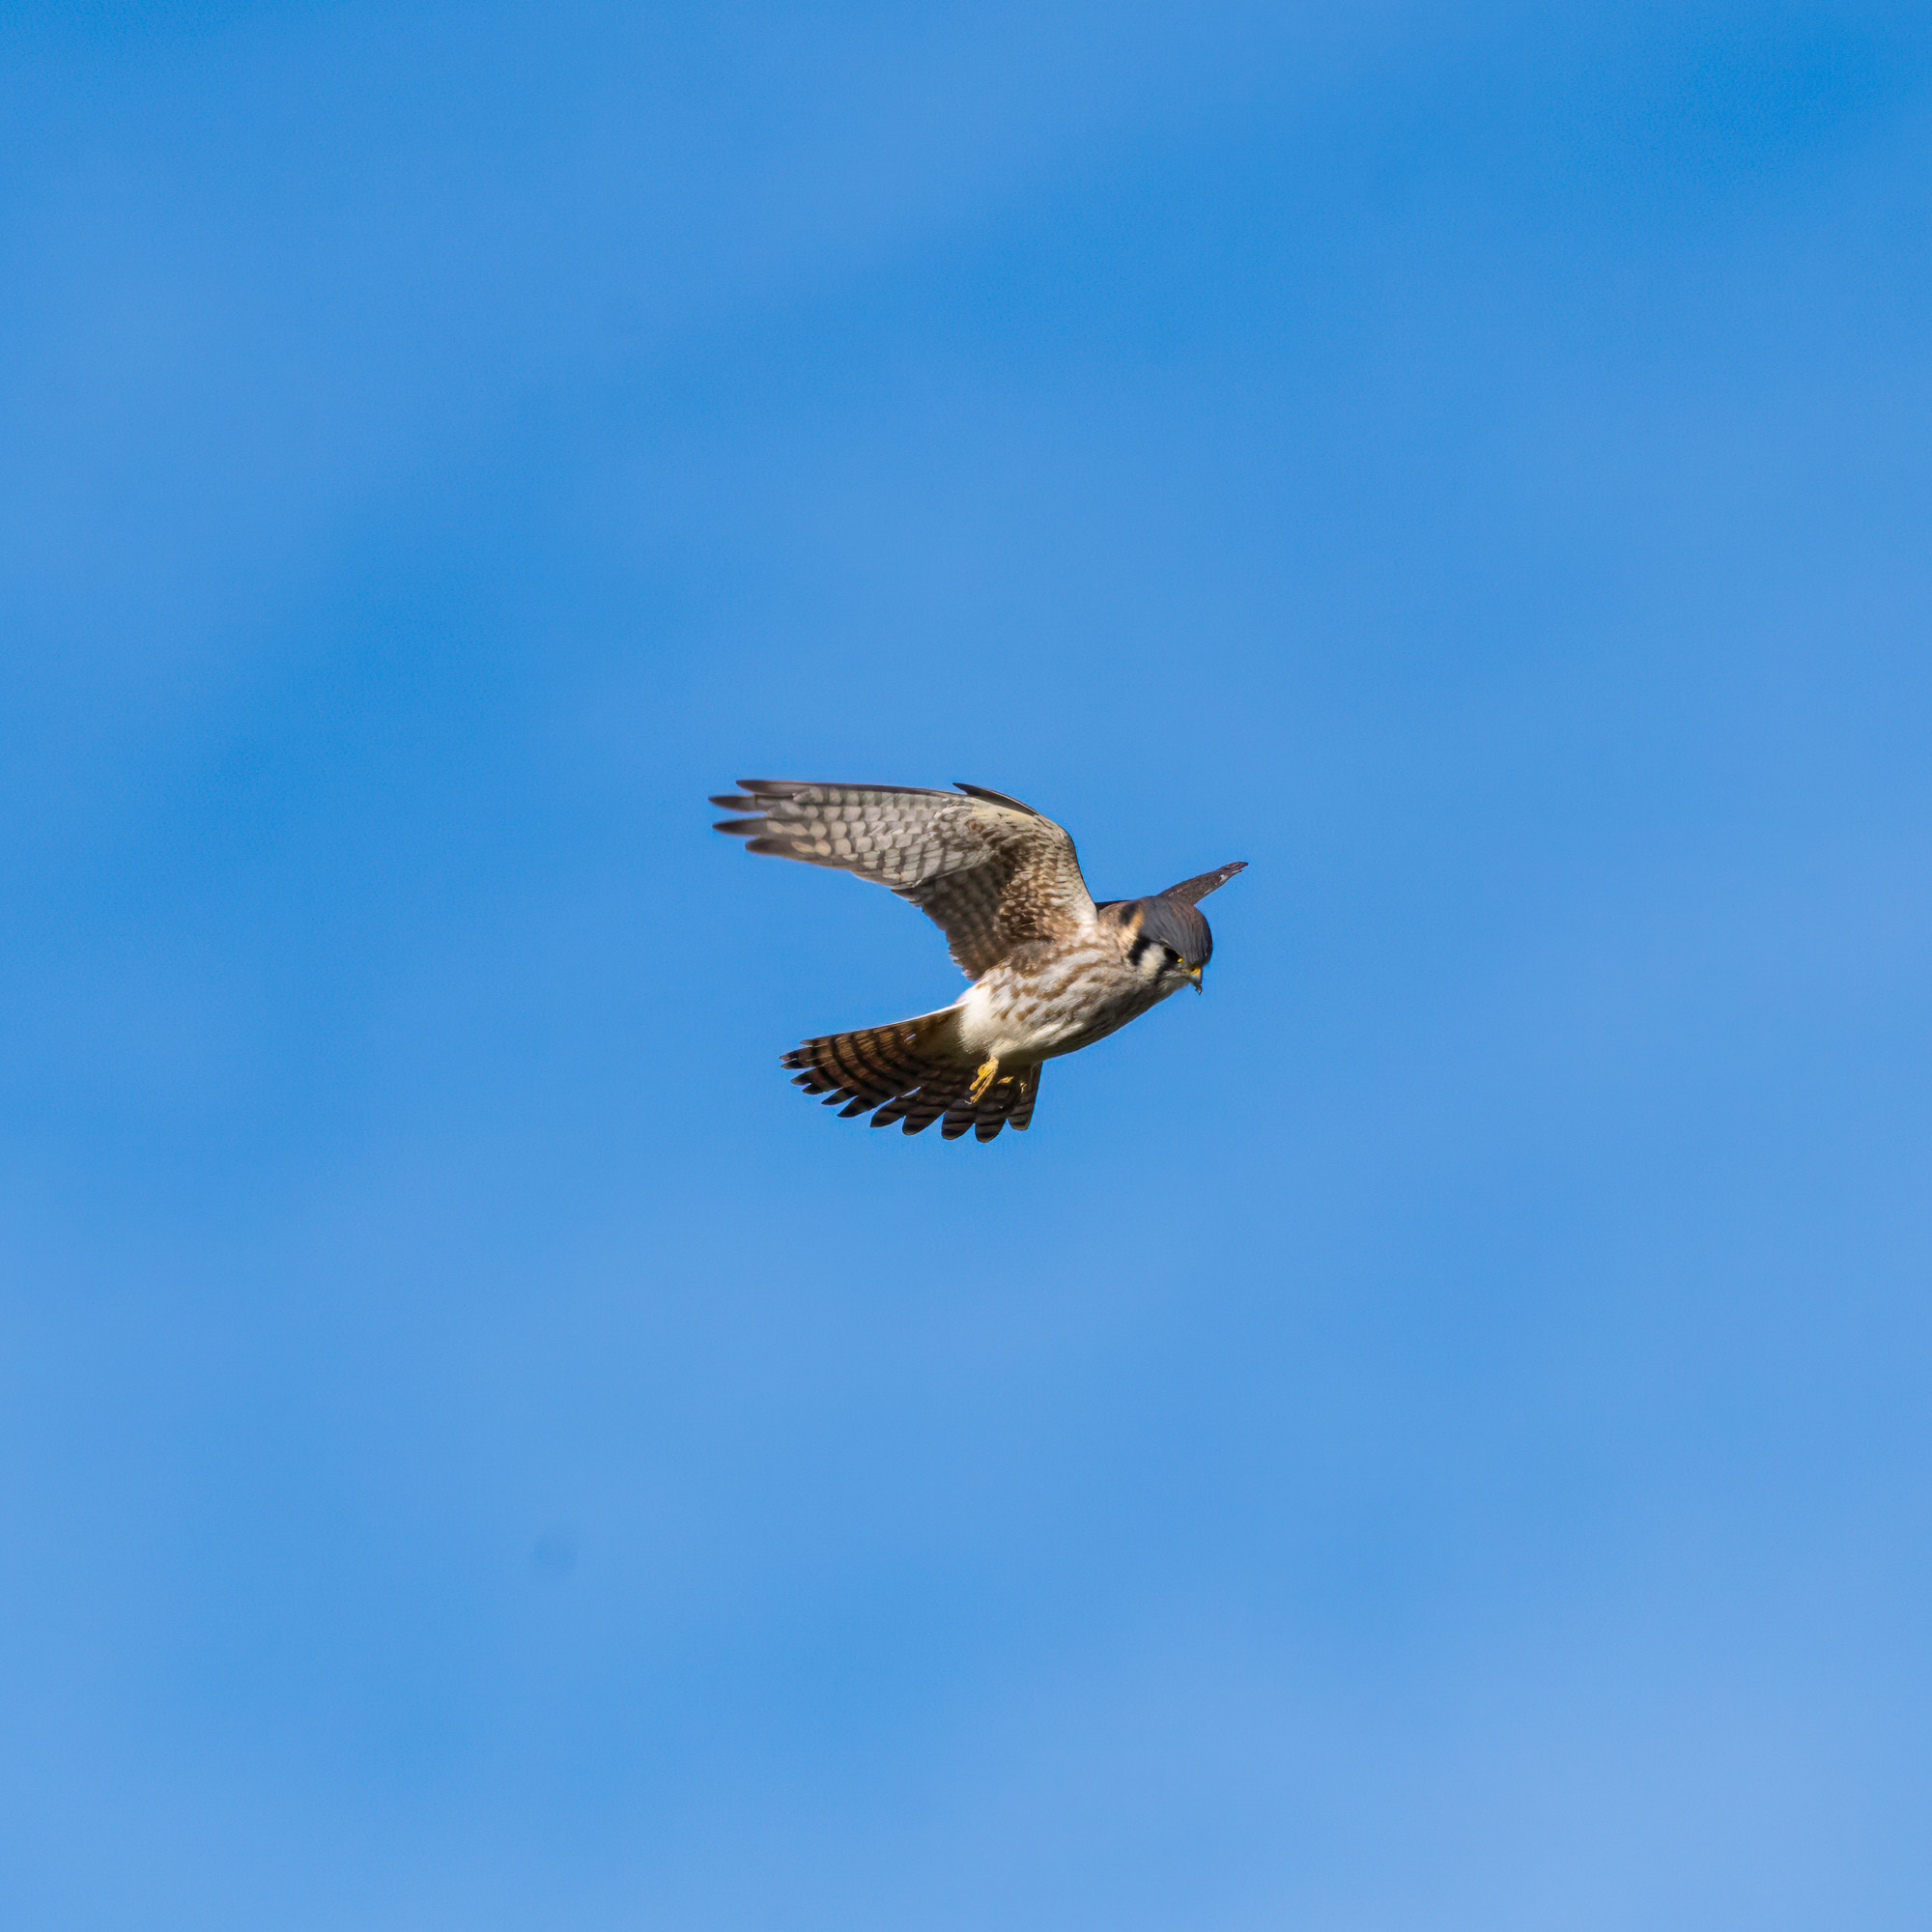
[(1433, 1435)]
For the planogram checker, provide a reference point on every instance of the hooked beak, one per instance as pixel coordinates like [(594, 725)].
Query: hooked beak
[(1194, 974)]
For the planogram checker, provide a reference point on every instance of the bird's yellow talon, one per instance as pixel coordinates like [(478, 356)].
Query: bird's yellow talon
[(983, 1079)]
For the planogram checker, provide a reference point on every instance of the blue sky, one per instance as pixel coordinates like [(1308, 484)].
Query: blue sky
[(1433, 1435)]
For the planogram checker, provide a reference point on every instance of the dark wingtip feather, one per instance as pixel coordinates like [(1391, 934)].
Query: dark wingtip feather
[(996, 798), (1191, 892)]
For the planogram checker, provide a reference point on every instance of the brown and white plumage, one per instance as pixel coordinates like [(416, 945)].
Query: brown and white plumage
[(1051, 971), (990, 871)]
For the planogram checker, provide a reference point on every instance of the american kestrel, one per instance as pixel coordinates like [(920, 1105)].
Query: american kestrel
[(1051, 971)]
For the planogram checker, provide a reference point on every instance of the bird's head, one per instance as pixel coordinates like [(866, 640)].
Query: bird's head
[(1170, 943)]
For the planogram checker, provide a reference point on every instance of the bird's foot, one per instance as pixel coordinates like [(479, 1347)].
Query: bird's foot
[(983, 1079)]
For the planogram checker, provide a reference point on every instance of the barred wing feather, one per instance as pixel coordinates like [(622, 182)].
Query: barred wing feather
[(990, 871)]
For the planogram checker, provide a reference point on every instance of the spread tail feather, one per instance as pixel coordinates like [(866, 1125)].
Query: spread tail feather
[(912, 1072)]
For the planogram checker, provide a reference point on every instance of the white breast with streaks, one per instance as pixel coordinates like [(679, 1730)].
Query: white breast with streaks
[(1040, 1008)]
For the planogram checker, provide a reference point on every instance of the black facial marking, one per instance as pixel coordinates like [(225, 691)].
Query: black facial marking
[(1139, 947)]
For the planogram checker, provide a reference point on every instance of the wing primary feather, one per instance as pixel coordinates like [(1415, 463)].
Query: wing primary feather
[(1191, 892), (996, 798)]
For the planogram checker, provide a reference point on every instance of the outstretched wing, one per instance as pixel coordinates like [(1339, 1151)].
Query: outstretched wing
[(991, 871)]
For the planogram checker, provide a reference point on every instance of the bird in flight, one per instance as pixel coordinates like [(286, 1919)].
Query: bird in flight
[(1051, 971)]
